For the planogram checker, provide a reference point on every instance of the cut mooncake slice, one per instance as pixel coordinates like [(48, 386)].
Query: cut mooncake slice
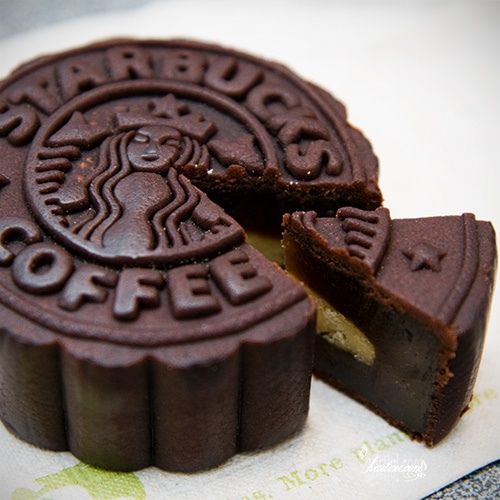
[(402, 309)]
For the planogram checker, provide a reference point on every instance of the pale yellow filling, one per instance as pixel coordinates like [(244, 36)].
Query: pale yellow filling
[(270, 246), (339, 331), (331, 325)]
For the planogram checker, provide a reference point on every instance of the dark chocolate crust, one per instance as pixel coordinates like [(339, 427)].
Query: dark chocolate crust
[(428, 281), (137, 326), (184, 407)]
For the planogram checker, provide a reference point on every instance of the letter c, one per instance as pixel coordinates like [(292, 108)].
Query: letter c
[(16, 229)]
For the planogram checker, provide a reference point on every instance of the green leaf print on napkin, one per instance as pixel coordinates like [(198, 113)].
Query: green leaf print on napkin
[(100, 484)]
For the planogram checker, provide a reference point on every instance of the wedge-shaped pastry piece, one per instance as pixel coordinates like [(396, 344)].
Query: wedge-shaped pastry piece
[(403, 306)]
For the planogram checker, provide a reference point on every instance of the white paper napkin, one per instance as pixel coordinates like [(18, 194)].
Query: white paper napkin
[(421, 80)]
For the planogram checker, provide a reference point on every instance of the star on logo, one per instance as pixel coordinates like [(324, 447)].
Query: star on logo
[(425, 256)]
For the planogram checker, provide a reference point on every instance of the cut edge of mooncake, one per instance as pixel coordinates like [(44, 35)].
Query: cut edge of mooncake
[(426, 280)]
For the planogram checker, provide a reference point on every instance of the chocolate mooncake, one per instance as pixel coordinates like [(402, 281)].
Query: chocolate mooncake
[(402, 309), (137, 326)]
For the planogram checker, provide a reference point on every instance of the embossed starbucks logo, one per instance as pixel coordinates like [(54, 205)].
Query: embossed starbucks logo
[(103, 174), (100, 226)]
